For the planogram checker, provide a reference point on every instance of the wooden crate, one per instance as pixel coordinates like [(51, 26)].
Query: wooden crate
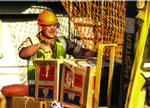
[(47, 79), (77, 83)]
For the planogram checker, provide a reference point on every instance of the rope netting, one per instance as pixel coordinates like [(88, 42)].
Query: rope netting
[(98, 22)]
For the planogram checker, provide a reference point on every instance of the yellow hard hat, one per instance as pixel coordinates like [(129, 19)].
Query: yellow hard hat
[(47, 17)]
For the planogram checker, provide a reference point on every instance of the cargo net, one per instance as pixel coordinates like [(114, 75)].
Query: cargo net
[(98, 22)]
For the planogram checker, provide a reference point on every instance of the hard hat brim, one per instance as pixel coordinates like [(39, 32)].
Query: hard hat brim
[(52, 22)]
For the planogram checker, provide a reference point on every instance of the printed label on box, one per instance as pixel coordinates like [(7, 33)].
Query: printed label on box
[(47, 76), (69, 78), (71, 96), (46, 92), (78, 80)]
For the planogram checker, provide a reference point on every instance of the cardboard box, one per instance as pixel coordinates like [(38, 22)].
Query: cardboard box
[(47, 79), (34, 103), (24, 102), (77, 83), (15, 102)]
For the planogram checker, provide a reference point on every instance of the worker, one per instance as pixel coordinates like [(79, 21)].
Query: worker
[(46, 45)]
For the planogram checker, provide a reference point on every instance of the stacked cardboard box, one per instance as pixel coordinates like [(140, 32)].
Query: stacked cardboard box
[(71, 82), (47, 79), (77, 83)]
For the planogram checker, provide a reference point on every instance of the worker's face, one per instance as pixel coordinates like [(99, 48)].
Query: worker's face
[(49, 31)]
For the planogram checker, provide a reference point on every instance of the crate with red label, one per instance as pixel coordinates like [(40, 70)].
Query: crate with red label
[(47, 79), (77, 83)]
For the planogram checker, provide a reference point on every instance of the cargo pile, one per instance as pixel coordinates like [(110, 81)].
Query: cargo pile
[(70, 82)]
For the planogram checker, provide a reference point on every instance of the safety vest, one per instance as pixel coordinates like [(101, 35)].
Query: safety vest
[(59, 53)]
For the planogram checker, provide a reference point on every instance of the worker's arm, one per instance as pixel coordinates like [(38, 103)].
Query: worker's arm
[(27, 50), (78, 51), (87, 52)]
